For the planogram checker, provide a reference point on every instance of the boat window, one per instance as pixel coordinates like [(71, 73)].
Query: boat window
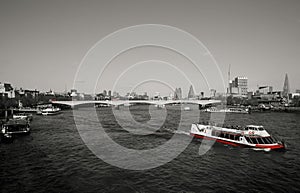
[(248, 139), (215, 133), (265, 140), (268, 140), (236, 137), (260, 128), (227, 136), (246, 128), (272, 139), (254, 140), (12, 128), (260, 141)]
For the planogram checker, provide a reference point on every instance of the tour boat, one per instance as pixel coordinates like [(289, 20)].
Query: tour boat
[(50, 111), (227, 110), (14, 127), (25, 116), (252, 136)]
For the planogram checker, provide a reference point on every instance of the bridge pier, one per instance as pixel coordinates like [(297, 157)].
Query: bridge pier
[(74, 107)]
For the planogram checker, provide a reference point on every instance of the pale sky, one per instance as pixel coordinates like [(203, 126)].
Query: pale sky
[(43, 42)]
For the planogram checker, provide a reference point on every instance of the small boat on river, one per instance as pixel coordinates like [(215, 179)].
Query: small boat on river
[(227, 110), (13, 128), (50, 111), (24, 116)]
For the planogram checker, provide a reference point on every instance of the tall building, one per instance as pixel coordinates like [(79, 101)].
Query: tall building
[(178, 94), (213, 93), (191, 93), (286, 87), (239, 86), (242, 84)]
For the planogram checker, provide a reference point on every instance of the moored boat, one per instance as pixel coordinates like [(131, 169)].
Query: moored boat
[(24, 116), (14, 127), (227, 110), (50, 111), (252, 136)]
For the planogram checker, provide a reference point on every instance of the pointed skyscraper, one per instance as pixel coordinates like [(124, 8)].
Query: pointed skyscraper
[(286, 87), (191, 93)]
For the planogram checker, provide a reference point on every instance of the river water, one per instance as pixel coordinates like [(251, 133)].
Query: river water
[(54, 158)]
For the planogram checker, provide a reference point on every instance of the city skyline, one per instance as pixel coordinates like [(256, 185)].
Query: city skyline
[(240, 88), (43, 43)]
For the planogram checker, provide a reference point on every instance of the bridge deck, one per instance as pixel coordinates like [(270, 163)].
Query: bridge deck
[(153, 102)]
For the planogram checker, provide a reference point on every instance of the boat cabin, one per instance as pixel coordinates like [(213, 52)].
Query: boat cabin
[(256, 130)]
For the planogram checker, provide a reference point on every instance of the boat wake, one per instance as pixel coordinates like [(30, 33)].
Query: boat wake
[(181, 132)]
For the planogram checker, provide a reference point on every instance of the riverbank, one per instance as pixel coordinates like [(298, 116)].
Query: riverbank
[(277, 109)]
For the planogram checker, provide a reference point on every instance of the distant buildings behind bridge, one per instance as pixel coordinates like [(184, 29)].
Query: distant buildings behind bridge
[(237, 88)]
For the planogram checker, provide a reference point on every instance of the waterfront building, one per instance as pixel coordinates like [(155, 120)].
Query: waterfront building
[(6, 90), (28, 93), (238, 86), (49, 93), (242, 84), (73, 93), (157, 96), (250, 94), (99, 97), (294, 95), (87, 97), (265, 89)]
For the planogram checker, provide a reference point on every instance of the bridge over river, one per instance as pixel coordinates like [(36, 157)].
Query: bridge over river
[(151, 102)]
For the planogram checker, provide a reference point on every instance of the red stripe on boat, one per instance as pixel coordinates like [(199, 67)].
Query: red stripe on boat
[(218, 140), (277, 146)]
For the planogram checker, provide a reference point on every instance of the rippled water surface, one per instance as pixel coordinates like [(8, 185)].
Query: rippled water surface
[(53, 158)]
